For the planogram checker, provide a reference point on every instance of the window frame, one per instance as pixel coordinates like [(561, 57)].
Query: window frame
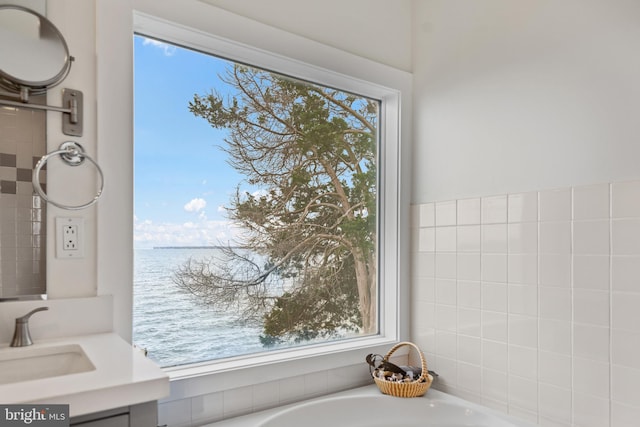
[(392, 89)]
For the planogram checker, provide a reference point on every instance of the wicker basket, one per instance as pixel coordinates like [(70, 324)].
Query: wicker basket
[(415, 388)]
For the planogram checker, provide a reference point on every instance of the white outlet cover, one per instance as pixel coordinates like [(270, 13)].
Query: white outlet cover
[(61, 252)]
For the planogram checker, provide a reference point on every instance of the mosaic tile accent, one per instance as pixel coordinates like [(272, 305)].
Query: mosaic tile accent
[(8, 160), (8, 187), (24, 174), (22, 215)]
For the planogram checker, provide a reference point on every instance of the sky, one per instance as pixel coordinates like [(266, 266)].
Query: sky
[(182, 179)]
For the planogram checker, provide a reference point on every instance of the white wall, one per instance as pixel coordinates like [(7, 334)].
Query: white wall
[(71, 278), (516, 96), (530, 108), (375, 29)]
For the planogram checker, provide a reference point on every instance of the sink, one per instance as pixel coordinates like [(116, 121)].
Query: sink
[(33, 363)]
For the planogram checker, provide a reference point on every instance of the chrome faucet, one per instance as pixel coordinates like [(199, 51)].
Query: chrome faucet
[(22, 337)]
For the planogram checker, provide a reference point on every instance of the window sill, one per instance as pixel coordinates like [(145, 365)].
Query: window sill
[(210, 377)]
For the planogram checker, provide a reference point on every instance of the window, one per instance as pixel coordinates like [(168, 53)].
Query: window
[(264, 220)]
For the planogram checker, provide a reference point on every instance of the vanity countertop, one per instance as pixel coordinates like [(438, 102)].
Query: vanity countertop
[(123, 377)]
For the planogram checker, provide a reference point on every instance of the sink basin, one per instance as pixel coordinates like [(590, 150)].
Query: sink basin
[(33, 363)]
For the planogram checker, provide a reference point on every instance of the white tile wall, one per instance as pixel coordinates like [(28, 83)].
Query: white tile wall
[(533, 302), (208, 408)]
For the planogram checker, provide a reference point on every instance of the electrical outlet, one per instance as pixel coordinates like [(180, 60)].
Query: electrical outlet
[(69, 237)]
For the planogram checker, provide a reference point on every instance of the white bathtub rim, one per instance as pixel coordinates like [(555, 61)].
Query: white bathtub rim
[(256, 418)]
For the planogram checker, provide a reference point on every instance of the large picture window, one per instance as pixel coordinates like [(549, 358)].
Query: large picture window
[(258, 207)]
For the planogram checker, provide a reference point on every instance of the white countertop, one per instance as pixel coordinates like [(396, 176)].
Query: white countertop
[(123, 377)]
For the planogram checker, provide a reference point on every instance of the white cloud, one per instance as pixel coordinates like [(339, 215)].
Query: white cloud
[(195, 205), (168, 49), (192, 233)]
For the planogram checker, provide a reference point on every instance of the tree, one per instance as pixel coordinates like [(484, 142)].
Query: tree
[(312, 149)]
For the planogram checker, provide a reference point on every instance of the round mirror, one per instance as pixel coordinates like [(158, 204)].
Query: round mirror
[(33, 53)]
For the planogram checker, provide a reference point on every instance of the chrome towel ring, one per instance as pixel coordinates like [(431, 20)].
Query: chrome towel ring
[(72, 154)]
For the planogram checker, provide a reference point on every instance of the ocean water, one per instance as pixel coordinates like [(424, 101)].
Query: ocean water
[(172, 325)]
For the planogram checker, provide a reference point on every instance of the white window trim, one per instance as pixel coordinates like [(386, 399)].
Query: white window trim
[(393, 88)]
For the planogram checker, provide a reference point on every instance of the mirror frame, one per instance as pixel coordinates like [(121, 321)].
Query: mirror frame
[(17, 84)]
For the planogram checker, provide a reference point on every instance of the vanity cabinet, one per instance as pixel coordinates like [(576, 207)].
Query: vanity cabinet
[(141, 415), (113, 421)]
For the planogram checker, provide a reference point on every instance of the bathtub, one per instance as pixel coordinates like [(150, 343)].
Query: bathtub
[(367, 407)]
